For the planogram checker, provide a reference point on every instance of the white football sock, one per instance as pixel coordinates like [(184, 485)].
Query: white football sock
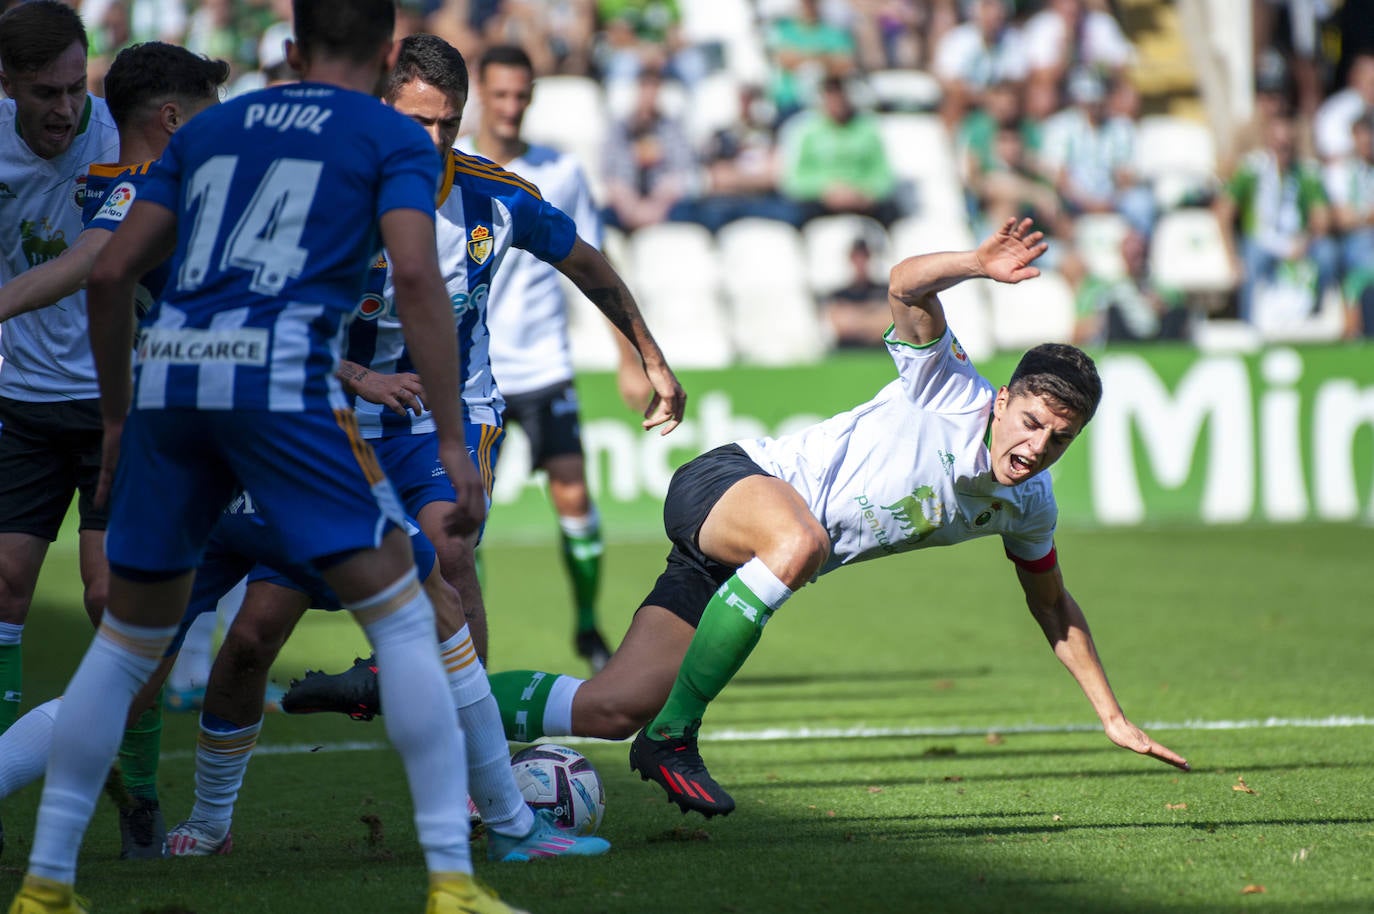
[(558, 710), (221, 762), (420, 721), (86, 737), (192, 667), (25, 746), (490, 781)]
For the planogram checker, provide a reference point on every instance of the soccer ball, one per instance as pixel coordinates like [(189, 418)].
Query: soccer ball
[(562, 780)]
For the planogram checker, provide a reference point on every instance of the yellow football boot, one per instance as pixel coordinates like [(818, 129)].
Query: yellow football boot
[(46, 896), (459, 893)]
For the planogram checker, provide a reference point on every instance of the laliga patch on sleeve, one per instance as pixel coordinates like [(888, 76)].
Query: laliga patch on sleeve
[(118, 202)]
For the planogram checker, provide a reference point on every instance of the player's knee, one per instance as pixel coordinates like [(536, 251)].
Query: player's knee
[(797, 553), (251, 647)]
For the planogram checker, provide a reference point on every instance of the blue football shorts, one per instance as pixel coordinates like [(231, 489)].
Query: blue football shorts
[(313, 478), (412, 464)]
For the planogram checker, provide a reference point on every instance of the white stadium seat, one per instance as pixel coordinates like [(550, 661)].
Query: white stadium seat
[(675, 275), (569, 113), (828, 240), (1097, 238), (922, 157), (1188, 252), (904, 90), (919, 235), (1036, 311), (672, 255), (1177, 156), (773, 313)]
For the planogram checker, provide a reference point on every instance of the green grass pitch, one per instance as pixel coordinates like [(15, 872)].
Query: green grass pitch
[(902, 740)]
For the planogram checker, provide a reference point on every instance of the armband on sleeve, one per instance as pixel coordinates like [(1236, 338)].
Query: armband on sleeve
[(1035, 566)]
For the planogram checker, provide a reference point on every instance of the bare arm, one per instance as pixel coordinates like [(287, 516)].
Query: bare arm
[(400, 392), (598, 280), (145, 238), (1067, 631), (914, 283), (49, 282), (426, 316)]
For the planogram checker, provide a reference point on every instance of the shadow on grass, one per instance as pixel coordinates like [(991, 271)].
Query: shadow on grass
[(858, 677)]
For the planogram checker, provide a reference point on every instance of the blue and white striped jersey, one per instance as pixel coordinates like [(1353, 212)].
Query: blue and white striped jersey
[(482, 211), (278, 195)]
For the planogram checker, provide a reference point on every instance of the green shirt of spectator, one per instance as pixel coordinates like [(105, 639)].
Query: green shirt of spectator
[(1274, 199), (835, 153)]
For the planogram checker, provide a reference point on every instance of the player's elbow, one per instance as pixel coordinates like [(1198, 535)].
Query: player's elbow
[(107, 274)]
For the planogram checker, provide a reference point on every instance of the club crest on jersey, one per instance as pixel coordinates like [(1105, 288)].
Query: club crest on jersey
[(79, 193), (479, 244), (987, 514)]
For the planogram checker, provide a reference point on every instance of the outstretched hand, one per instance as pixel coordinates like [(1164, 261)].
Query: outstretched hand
[(1007, 254), (1128, 736)]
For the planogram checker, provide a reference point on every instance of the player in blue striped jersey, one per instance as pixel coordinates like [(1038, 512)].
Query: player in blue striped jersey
[(272, 206), (481, 211)]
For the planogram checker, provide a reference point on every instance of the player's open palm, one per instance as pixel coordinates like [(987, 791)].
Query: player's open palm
[(1007, 254), (1128, 736)]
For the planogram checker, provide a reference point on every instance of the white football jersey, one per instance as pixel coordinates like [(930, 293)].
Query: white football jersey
[(910, 468), (527, 312), (47, 355)]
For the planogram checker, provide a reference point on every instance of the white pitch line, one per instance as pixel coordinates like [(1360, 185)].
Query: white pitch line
[(774, 734)]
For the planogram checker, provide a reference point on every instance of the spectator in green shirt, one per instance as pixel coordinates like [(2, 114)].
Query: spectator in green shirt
[(1275, 217), (834, 160), (805, 49)]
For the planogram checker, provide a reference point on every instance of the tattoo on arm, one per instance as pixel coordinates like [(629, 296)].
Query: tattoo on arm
[(619, 308), (348, 371)]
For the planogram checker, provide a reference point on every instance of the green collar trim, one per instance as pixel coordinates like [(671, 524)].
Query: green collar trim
[(893, 341)]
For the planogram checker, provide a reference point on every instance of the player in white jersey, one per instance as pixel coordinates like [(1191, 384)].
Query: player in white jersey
[(527, 314), (938, 457), (51, 131)]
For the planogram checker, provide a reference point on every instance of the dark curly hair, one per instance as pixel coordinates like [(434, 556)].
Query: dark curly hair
[(1062, 373), (155, 72)]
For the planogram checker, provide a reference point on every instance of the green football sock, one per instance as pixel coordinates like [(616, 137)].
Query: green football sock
[(582, 548), (140, 751), (727, 633), (11, 683), (522, 696)]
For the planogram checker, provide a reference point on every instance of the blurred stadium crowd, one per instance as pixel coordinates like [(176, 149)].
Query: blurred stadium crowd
[(762, 162)]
